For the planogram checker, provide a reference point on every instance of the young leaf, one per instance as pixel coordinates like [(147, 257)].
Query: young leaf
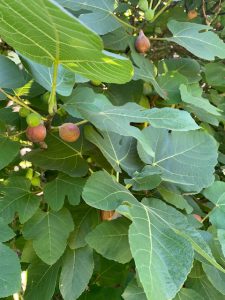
[(76, 272), (110, 239), (49, 232), (198, 39), (61, 187)]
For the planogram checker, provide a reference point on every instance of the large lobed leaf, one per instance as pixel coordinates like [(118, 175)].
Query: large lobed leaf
[(47, 33)]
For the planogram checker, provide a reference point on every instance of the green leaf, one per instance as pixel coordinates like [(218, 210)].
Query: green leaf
[(98, 110), (99, 13), (198, 39), (6, 233), (17, 197), (213, 74), (61, 187), (85, 219), (43, 37), (145, 70), (49, 232), (187, 67), (158, 250), (116, 40), (117, 149), (103, 192), (186, 159), (216, 277), (8, 151), (110, 239), (10, 280), (202, 285), (42, 280), (174, 197), (199, 102), (44, 76), (134, 292), (187, 294), (61, 156), (147, 179), (76, 272), (11, 76)]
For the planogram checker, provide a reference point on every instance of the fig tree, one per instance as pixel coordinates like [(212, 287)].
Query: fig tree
[(33, 119), (36, 134), (69, 132), (142, 43)]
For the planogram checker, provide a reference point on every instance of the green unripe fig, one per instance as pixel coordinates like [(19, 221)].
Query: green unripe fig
[(33, 120), (96, 82), (142, 43), (36, 134), (147, 89), (29, 174), (24, 112), (69, 132), (45, 97), (36, 181), (144, 102), (149, 14), (143, 5)]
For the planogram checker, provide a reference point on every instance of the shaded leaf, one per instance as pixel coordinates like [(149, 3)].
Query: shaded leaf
[(61, 187), (61, 156), (42, 280), (110, 239), (8, 151), (10, 281), (76, 272), (17, 197), (49, 232)]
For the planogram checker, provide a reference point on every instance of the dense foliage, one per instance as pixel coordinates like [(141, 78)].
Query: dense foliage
[(112, 152)]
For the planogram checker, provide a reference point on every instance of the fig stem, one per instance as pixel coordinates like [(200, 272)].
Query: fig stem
[(123, 22), (81, 122), (52, 104), (117, 176), (21, 103), (157, 5), (161, 10)]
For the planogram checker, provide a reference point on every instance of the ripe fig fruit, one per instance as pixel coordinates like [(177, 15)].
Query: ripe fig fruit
[(142, 43), (33, 120), (24, 112), (36, 181), (192, 14), (36, 134), (69, 132), (149, 14), (197, 217), (96, 82)]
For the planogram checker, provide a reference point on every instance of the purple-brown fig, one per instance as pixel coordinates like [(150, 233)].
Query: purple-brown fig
[(142, 43), (69, 132), (36, 134)]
